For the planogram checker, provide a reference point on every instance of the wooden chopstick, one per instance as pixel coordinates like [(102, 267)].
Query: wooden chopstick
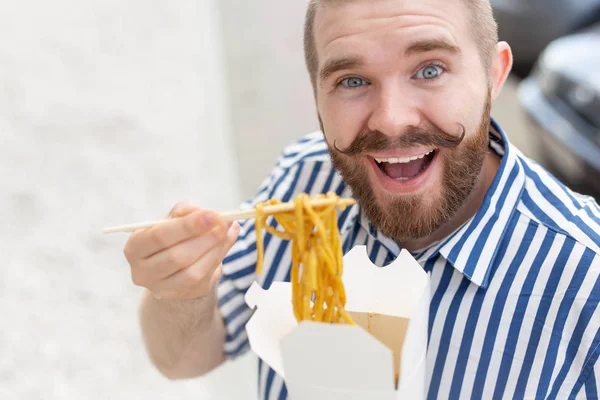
[(236, 215)]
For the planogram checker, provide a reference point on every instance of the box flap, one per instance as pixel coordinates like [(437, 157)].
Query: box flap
[(413, 362), (273, 319), (392, 290)]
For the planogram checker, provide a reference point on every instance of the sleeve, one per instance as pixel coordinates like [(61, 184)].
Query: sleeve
[(239, 266)]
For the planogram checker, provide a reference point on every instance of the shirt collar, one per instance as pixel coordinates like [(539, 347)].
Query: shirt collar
[(471, 249)]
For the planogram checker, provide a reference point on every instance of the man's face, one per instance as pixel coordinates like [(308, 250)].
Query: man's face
[(399, 84)]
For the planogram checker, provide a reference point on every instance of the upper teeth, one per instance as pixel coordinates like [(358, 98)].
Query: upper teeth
[(397, 160)]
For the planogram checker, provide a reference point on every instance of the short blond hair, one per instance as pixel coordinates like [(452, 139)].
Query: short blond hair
[(485, 30)]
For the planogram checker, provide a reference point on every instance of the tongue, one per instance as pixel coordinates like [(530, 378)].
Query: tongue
[(404, 170)]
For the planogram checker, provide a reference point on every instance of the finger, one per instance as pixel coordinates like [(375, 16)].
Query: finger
[(232, 235), (183, 208), (144, 244), (198, 279), (194, 281), (180, 256)]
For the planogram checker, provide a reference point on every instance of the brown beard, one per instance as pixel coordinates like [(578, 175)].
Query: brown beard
[(408, 217)]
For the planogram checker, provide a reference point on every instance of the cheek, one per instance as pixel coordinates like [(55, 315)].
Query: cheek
[(445, 111), (342, 119), (458, 106)]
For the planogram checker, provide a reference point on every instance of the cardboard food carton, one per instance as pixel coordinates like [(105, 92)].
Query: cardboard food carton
[(320, 361)]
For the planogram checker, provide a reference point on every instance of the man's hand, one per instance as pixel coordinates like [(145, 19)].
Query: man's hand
[(181, 259)]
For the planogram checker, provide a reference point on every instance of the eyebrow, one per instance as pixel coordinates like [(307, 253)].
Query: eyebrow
[(423, 46), (339, 64)]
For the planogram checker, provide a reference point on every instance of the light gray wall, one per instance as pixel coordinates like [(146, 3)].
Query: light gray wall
[(110, 112), (269, 90)]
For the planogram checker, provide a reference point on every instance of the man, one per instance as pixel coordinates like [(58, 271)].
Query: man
[(403, 89)]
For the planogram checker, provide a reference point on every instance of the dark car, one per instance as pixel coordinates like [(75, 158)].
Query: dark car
[(530, 25), (562, 99)]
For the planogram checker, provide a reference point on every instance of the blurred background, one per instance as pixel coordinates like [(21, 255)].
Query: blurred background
[(113, 111)]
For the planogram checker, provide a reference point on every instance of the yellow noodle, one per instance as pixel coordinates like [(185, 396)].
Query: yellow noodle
[(316, 277)]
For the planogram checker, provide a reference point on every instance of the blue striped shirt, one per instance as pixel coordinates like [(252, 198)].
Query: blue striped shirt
[(514, 291)]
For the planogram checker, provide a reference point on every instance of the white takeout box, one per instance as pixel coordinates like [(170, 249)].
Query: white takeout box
[(321, 361)]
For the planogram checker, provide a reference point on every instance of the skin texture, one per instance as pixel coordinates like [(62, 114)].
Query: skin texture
[(373, 96)]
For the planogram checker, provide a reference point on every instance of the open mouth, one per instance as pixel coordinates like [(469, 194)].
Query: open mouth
[(407, 168)]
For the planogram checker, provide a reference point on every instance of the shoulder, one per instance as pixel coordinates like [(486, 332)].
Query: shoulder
[(305, 167), (551, 204), (309, 148)]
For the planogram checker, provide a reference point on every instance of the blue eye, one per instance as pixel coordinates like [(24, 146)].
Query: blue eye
[(429, 72), (353, 82)]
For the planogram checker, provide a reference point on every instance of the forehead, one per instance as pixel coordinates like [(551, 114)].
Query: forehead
[(345, 26)]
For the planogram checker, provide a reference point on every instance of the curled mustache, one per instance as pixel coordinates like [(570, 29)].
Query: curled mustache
[(377, 141)]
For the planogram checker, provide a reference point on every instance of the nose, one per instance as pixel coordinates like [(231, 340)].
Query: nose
[(394, 112)]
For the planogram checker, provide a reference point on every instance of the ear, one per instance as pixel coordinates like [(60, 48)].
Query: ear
[(501, 67)]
